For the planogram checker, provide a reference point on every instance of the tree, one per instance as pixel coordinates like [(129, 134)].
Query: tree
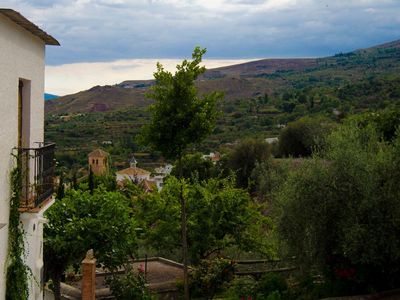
[(243, 159), (341, 210), (268, 178), (82, 221), (194, 167), (180, 119), (209, 277), (61, 188), (219, 216), (386, 122), (300, 138), (91, 180)]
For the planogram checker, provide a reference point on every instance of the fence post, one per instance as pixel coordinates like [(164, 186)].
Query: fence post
[(89, 276)]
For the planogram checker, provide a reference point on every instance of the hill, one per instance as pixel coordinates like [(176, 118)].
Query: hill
[(49, 96), (237, 81), (260, 96)]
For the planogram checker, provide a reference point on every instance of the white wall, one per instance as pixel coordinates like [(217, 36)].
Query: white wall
[(21, 57), (133, 178)]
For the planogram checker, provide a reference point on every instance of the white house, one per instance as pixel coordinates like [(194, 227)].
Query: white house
[(272, 140), (133, 173), (214, 157), (166, 170), (22, 53)]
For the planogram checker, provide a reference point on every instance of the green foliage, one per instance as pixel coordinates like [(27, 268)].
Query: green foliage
[(219, 216), (275, 295), (82, 221), (179, 117), (108, 181), (210, 276), (243, 286), (272, 284), (386, 122), (129, 286), (269, 176), (341, 201), (300, 138), (243, 159), (194, 167), (17, 271), (131, 190)]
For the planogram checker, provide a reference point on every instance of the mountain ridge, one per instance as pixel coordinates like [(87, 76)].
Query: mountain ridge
[(245, 80)]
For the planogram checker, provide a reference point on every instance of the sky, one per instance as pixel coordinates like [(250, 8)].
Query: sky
[(104, 40)]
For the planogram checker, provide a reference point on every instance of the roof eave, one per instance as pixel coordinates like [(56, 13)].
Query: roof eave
[(20, 20)]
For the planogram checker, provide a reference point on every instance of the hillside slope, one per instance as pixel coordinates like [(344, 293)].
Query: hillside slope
[(260, 97), (247, 80)]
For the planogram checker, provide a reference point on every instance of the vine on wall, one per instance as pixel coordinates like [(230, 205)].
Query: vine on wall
[(17, 272)]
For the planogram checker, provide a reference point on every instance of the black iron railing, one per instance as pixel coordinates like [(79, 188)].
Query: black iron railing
[(37, 174)]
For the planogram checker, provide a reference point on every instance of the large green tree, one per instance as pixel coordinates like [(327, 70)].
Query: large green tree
[(195, 167), (303, 136), (83, 221), (180, 118), (244, 157), (341, 209), (219, 216)]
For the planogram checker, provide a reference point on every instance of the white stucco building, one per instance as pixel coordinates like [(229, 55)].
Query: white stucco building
[(22, 53), (133, 174)]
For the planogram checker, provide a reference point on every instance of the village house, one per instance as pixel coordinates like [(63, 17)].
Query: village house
[(214, 157), (133, 173), (272, 140), (164, 170), (22, 60), (159, 175)]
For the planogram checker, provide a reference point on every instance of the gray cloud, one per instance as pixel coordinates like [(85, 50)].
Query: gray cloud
[(104, 30)]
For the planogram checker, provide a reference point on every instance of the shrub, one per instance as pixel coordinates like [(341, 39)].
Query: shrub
[(129, 286), (341, 210), (209, 277), (272, 284), (243, 287)]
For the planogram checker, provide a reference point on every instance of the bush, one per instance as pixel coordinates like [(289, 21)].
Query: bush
[(300, 138), (341, 210), (243, 159), (272, 283), (209, 277), (243, 287), (129, 286)]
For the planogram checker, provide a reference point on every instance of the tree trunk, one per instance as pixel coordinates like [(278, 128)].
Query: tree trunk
[(57, 286), (184, 236)]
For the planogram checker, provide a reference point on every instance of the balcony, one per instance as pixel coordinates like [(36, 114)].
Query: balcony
[(37, 175)]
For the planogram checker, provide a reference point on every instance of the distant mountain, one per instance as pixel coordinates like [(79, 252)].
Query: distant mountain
[(50, 97), (248, 80)]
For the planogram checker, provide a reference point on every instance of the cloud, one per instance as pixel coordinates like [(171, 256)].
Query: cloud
[(72, 78), (108, 30)]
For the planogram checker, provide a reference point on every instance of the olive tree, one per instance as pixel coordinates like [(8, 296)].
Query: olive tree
[(341, 209)]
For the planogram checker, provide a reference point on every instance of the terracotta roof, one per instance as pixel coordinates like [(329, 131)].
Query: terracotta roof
[(133, 171), (19, 19), (99, 152)]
